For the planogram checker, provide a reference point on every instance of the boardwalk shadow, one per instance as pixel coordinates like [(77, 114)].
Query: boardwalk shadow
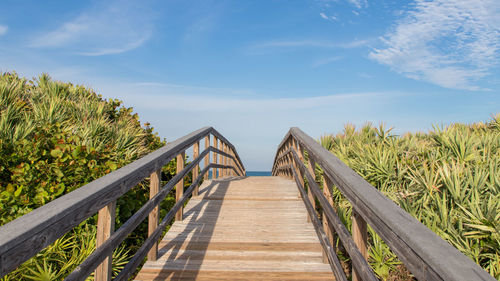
[(188, 249)]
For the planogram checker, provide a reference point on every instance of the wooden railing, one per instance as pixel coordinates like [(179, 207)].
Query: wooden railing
[(426, 255), (26, 236)]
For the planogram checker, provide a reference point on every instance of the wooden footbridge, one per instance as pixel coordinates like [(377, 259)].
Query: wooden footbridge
[(233, 227)]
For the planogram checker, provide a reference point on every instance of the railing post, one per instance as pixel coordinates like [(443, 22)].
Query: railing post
[(360, 237), (226, 159), (235, 171), (214, 171), (221, 158), (327, 186), (301, 178), (311, 167), (179, 188), (153, 218), (230, 161), (196, 152), (207, 158), (105, 227)]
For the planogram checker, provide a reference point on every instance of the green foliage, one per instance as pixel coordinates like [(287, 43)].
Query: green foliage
[(54, 138), (449, 179), (59, 259)]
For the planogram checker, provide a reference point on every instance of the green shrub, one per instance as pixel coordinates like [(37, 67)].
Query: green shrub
[(56, 137), (449, 179)]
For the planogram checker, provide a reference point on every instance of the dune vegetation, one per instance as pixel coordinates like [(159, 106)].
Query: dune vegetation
[(54, 138), (448, 179)]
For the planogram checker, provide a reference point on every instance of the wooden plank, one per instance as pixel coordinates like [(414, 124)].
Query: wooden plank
[(226, 162), (105, 227), (311, 167), (85, 268), (196, 152), (215, 145), (362, 266), (241, 235), (138, 257), (154, 188), (207, 158), (179, 188), (360, 237), (214, 275), (327, 187), (221, 137), (220, 152), (328, 249), (221, 159), (22, 238)]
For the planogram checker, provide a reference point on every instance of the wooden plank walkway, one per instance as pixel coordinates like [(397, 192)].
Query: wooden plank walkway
[(252, 228)]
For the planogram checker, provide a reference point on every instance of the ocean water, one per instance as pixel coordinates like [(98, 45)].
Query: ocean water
[(258, 173)]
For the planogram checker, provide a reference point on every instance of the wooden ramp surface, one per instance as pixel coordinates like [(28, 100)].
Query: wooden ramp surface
[(252, 228)]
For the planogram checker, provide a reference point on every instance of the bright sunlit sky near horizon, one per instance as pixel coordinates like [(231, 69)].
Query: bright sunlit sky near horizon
[(253, 69)]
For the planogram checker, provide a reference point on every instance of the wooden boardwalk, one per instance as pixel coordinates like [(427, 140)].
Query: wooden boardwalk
[(252, 228)]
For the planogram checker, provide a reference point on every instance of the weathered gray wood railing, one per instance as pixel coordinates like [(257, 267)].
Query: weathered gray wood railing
[(29, 234), (426, 255)]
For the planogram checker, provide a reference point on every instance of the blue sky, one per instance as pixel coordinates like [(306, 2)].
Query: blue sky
[(252, 69)]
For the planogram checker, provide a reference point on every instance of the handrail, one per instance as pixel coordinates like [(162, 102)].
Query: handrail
[(425, 254), (27, 235)]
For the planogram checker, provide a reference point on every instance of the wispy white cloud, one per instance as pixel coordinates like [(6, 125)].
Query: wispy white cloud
[(312, 44), (103, 29), (329, 18), (194, 90), (359, 3), (3, 29), (324, 61), (450, 43), (165, 96)]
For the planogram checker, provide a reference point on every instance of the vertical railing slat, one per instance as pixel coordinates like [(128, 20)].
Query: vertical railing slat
[(360, 237), (179, 188), (153, 218), (196, 152), (327, 186), (221, 158), (207, 158), (214, 172), (105, 227)]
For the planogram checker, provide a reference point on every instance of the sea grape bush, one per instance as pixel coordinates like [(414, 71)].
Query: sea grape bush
[(56, 137), (449, 179)]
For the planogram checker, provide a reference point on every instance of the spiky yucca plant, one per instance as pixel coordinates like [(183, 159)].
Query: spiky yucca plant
[(449, 179)]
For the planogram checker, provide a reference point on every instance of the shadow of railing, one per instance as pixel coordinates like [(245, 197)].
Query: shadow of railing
[(201, 220)]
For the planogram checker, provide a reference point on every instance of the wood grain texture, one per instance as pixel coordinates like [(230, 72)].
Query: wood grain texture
[(179, 188), (363, 268), (360, 237), (328, 249), (196, 153), (215, 160), (241, 229), (153, 218), (221, 159), (85, 268), (207, 158), (27, 235), (105, 227), (424, 253)]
